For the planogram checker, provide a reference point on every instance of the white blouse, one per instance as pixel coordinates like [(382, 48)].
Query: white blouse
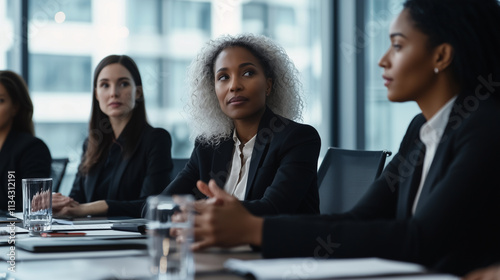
[(236, 183), (430, 134)]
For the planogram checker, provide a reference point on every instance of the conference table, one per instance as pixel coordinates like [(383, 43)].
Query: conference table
[(102, 264), (124, 264)]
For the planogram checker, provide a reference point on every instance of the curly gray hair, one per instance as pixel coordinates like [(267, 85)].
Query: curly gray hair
[(210, 124)]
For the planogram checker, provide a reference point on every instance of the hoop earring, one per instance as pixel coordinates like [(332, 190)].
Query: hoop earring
[(436, 70)]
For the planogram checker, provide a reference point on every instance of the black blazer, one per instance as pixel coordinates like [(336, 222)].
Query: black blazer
[(452, 229), (29, 157), (283, 169), (145, 173)]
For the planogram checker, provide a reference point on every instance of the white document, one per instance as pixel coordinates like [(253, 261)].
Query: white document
[(22, 255), (310, 268), (81, 227), (416, 277)]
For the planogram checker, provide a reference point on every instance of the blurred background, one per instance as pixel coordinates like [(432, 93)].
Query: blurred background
[(335, 44)]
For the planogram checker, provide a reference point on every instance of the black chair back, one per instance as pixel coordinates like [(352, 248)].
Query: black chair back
[(345, 175), (58, 168)]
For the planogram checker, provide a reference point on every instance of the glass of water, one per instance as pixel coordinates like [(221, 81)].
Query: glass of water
[(170, 234), (37, 204)]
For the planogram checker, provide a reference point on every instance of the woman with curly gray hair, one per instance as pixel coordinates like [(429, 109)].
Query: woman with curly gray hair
[(244, 93)]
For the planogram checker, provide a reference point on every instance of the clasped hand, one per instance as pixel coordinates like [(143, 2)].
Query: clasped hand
[(222, 220), (64, 206)]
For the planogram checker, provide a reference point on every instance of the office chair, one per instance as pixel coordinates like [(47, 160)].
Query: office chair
[(179, 164), (57, 170), (345, 175)]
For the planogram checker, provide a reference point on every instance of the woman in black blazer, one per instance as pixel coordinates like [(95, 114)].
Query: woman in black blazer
[(244, 91), (22, 155), (124, 158), (437, 201)]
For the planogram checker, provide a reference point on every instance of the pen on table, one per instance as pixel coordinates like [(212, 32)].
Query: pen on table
[(61, 234)]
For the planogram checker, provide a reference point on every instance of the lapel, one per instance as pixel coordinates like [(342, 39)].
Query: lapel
[(6, 153), (435, 171), (436, 168), (409, 187), (115, 184), (91, 180), (221, 162), (262, 141)]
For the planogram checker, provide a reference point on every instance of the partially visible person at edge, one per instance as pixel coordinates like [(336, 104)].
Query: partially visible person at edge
[(244, 93), (437, 201), (487, 273), (22, 155), (124, 158)]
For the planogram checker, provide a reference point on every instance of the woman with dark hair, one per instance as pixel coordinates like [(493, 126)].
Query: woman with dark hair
[(437, 200), (124, 158), (244, 95), (22, 155)]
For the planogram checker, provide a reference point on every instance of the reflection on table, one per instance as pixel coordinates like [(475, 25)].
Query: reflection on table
[(100, 264)]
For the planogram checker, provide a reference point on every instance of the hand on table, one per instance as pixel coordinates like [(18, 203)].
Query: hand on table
[(223, 221), (59, 201), (69, 210), (204, 188), (74, 209)]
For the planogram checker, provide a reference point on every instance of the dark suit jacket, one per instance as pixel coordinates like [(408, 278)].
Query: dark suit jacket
[(453, 227), (283, 169), (29, 157), (145, 173)]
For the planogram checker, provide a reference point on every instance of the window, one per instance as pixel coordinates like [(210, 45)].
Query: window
[(59, 73), (175, 89), (152, 82), (189, 15), (150, 24), (41, 11), (8, 37), (254, 18)]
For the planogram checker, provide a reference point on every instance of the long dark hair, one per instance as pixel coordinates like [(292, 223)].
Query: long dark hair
[(100, 131), (18, 92), (471, 28)]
